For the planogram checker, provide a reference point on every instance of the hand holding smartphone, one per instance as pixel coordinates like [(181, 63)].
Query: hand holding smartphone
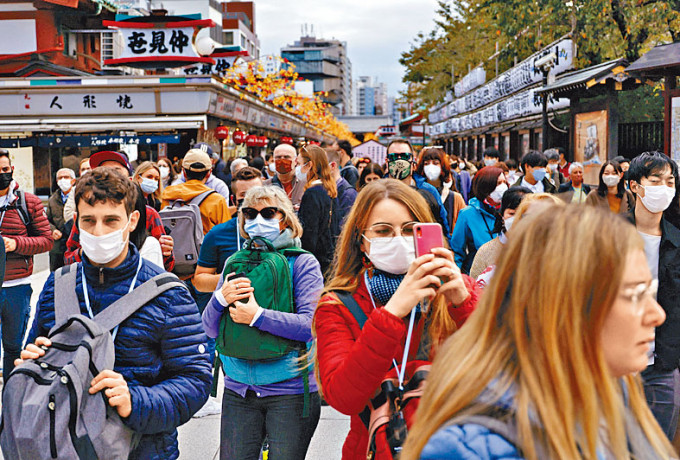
[(427, 236)]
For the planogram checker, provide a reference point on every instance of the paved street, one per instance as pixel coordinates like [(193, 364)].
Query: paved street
[(199, 438)]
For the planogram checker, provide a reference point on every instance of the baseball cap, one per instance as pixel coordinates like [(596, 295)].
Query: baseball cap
[(96, 159), (196, 160), (206, 148)]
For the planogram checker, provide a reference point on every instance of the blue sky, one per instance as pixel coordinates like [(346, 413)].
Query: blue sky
[(376, 31)]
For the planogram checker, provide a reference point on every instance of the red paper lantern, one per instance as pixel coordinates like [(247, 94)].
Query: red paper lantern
[(222, 132), (239, 137), (262, 141), (287, 140), (251, 140)]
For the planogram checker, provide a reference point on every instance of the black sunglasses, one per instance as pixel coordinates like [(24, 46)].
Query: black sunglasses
[(268, 212)]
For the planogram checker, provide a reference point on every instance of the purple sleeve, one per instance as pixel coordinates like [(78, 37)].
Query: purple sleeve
[(212, 314), (307, 285)]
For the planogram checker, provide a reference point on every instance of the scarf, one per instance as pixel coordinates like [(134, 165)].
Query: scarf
[(383, 285)]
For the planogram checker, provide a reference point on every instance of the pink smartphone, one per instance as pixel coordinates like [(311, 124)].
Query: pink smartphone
[(427, 236)]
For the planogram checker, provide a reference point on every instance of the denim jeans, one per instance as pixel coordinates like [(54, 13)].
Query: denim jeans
[(247, 421), (15, 308), (663, 397)]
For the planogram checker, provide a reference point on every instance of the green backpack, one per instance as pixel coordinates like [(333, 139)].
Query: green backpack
[(270, 273)]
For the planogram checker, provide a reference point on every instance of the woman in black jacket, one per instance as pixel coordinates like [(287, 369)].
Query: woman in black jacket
[(319, 203)]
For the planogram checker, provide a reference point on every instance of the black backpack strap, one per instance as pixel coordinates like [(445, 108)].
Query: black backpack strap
[(199, 199), (353, 307), (22, 208), (66, 301), (122, 308)]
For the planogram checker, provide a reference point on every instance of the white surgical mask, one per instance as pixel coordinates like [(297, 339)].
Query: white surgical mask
[(497, 194), (265, 228), (302, 177), (103, 249), (490, 162), (553, 167), (392, 255), (432, 172), (461, 165), (508, 223), (657, 197), (64, 184), (148, 185), (272, 167), (165, 171), (610, 180)]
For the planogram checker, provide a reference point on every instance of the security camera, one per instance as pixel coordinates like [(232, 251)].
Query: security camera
[(546, 62)]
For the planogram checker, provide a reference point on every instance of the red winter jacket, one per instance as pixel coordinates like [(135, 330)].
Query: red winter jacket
[(353, 361), (35, 239)]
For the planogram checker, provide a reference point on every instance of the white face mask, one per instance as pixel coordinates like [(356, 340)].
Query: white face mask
[(657, 197), (508, 223), (272, 167), (432, 172), (497, 194), (490, 162), (64, 184), (165, 171), (610, 181), (265, 228), (302, 177), (103, 249), (553, 167), (392, 255)]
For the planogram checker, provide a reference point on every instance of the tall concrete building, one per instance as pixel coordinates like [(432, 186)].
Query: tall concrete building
[(371, 97), (238, 26), (324, 62), (208, 9)]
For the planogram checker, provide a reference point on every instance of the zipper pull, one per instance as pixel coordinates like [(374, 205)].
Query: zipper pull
[(101, 275)]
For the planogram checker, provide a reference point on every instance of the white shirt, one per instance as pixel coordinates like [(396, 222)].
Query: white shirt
[(652, 245), (151, 251), (537, 188)]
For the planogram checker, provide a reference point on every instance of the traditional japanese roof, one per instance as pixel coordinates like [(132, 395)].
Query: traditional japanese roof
[(586, 78), (661, 60)]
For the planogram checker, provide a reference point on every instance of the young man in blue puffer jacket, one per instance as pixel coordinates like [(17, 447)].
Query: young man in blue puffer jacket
[(162, 371)]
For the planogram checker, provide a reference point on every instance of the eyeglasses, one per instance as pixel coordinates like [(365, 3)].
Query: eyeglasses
[(636, 293), (399, 156), (268, 213), (388, 231)]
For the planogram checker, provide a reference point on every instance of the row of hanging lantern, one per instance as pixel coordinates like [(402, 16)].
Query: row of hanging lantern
[(239, 137)]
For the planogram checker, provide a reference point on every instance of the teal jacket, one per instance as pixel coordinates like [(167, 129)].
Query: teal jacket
[(474, 227)]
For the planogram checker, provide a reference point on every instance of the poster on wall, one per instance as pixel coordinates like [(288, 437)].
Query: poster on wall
[(591, 143), (22, 159), (675, 129)]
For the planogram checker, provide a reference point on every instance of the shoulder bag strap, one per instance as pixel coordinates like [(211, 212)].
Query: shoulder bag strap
[(66, 301), (353, 307), (198, 199), (122, 308)]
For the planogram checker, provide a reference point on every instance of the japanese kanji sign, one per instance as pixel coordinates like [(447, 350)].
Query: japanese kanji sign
[(169, 44)]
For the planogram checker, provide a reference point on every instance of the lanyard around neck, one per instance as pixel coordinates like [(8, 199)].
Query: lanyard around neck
[(400, 372), (87, 296)]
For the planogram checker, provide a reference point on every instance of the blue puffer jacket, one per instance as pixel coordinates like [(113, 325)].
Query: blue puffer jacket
[(474, 227), (160, 351), (422, 184), (468, 442)]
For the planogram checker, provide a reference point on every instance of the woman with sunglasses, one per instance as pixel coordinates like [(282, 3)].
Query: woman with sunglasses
[(375, 264), (276, 398), (317, 211)]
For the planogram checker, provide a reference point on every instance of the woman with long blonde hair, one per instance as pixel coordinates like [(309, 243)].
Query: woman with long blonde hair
[(546, 366), (148, 176), (375, 264), (319, 207)]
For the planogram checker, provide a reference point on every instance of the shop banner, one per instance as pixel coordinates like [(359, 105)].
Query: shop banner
[(470, 81)]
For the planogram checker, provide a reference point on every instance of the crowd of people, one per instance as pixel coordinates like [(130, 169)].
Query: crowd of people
[(545, 324)]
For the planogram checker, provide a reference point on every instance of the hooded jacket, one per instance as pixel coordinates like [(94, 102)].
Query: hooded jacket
[(160, 351), (214, 209)]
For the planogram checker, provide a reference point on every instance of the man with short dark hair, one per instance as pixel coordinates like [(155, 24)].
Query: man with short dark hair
[(197, 167), (346, 193), (553, 158), (347, 170), (66, 179), (25, 232), (161, 375), (535, 178), (212, 181), (491, 156), (400, 166), (653, 178)]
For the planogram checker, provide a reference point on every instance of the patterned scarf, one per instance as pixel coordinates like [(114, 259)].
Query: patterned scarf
[(383, 285)]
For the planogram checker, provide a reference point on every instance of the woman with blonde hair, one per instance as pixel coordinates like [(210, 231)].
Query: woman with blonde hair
[(148, 176), (265, 395), (375, 269), (318, 208), (546, 367)]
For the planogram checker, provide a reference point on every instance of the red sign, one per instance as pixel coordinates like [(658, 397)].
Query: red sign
[(239, 137), (69, 3), (287, 140), (252, 141), (222, 132)]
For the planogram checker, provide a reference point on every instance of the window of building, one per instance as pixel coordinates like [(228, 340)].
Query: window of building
[(243, 41), (229, 38)]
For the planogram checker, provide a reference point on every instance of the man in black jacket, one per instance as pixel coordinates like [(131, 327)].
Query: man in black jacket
[(574, 191), (652, 179)]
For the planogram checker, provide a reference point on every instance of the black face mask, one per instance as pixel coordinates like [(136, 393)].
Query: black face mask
[(5, 180), (239, 203)]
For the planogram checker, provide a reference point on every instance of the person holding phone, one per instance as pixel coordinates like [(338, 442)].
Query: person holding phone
[(276, 398), (375, 263)]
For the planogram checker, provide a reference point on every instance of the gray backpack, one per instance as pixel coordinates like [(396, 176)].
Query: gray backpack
[(182, 221), (47, 411)]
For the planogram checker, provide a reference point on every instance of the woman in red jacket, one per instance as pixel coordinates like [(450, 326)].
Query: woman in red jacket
[(376, 264)]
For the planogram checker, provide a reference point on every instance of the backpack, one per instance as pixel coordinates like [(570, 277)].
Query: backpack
[(21, 207), (182, 221), (391, 411), (270, 273), (47, 411)]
